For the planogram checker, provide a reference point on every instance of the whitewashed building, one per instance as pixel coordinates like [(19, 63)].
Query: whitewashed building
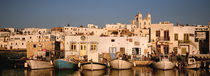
[(142, 25), (162, 35), (17, 42), (75, 31), (119, 30), (35, 31), (202, 37), (184, 40), (94, 45)]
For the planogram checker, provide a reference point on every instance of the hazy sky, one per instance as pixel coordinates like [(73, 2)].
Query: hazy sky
[(54, 13)]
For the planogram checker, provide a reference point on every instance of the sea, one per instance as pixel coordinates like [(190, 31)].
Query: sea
[(135, 71)]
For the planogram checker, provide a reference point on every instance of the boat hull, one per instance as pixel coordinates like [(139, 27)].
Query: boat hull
[(164, 65), (121, 64), (93, 66), (143, 63), (192, 66), (36, 64), (63, 64)]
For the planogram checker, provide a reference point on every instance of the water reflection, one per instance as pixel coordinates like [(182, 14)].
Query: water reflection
[(142, 71), (164, 73), (12, 72), (192, 72), (66, 72), (93, 73), (136, 71), (41, 72), (128, 72)]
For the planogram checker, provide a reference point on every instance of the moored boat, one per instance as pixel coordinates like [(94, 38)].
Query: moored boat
[(143, 63), (93, 66), (121, 64), (192, 64), (65, 64), (164, 64), (189, 64), (38, 64)]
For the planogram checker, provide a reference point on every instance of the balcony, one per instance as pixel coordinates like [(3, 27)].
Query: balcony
[(161, 39), (184, 41)]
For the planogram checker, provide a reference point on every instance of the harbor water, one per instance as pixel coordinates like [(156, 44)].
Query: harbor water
[(135, 71)]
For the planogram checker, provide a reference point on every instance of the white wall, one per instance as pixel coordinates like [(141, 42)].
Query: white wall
[(104, 43)]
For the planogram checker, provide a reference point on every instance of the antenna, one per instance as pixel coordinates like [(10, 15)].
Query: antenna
[(177, 23)]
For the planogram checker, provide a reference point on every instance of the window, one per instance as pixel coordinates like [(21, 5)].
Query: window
[(23, 38), (122, 50), (175, 50), (157, 33), (166, 49), (34, 45), (112, 49), (16, 38), (112, 40), (166, 35), (73, 46), (93, 46), (82, 46), (136, 51), (158, 47), (186, 37), (184, 50), (176, 36), (47, 54)]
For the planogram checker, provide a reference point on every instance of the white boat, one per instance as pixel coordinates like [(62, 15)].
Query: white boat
[(121, 64), (93, 66), (37, 64), (164, 64), (191, 64)]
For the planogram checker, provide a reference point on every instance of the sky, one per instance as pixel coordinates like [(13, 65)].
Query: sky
[(58, 13)]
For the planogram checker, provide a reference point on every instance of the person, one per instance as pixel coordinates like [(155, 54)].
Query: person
[(187, 54), (202, 64), (207, 64)]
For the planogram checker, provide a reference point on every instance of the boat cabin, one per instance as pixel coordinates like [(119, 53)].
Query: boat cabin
[(191, 61)]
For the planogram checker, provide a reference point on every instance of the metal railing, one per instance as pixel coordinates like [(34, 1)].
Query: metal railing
[(164, 38)]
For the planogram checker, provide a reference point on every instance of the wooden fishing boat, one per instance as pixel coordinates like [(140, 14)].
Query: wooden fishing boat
[(93, 66), (121, 64), (191, 64), (143, 63), (38, 64), (164, 64), (65, 64)]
